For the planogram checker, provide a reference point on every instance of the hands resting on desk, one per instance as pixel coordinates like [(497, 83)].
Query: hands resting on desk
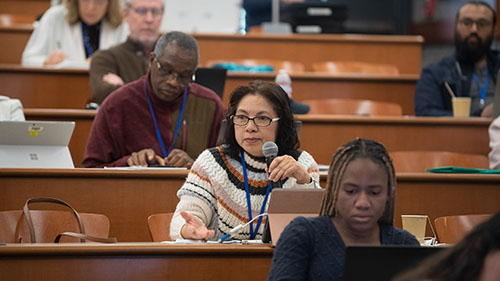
[(147, 157)]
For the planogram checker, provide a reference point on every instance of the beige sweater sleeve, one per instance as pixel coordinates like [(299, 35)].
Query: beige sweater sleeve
[(193, 206)]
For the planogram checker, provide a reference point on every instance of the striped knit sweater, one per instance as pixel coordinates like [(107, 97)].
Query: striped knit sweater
[(214, 191)]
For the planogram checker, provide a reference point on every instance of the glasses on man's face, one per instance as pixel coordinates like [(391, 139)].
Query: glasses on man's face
[(168, 74), (259, 121), (144, 11), (481, 23)]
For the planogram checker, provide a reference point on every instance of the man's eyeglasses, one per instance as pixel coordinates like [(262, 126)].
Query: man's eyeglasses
[(168, 74), (259, 121), (144, 11), (482, 23)]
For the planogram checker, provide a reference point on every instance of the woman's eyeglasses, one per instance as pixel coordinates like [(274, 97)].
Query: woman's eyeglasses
[(259, 121)]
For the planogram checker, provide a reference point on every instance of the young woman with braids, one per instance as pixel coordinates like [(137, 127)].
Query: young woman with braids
[(357, 209)]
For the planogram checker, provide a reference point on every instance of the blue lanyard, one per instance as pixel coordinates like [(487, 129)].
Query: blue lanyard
[(252, 233), (86, 41), (482, 90), (179, 121)]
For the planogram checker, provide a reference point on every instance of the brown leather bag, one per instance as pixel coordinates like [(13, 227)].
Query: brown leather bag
[(45, 226)]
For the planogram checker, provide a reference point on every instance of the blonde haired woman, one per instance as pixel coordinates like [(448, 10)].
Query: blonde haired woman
[(72, 32)]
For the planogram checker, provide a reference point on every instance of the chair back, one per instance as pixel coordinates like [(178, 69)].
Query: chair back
[(159, 226), (353, 107), (452, 229), (289, 66), (418, 161), (48, 224), (337, 67)]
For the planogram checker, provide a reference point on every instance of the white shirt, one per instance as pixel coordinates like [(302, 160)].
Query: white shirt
[(53, 31), (11, 109)]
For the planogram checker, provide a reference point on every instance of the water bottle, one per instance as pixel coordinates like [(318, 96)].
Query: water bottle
[(285, 82)]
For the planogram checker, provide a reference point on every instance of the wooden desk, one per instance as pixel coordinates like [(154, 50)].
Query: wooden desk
[(138, 261), (24, 7), (129, 197), (46, 87), (321, 135), (13, 40), (310, 85), (126, 197), (69, 88), (401, 51)]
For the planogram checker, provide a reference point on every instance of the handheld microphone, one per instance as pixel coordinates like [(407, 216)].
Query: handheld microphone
[(270, 151)]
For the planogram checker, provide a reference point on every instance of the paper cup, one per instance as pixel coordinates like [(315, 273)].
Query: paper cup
[(415, 224), (461, 106)]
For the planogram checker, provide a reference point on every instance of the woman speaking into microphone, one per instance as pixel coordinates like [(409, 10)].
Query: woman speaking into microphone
[(229, 185)]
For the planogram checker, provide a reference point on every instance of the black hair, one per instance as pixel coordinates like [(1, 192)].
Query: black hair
[(479, 3), (287, 138), (358, 148)]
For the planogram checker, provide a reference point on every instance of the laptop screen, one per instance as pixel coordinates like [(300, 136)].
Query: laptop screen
[(35, 144), (382, 263), (212, 78)]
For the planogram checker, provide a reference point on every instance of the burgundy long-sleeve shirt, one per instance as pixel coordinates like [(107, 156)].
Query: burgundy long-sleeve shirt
[(124, 124)]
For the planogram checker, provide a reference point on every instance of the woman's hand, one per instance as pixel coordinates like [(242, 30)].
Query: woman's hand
[(56, 57), (194, 228), (286, 166)]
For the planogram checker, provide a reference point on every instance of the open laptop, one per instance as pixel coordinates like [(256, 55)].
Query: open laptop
[(382, 263), (35, 144), (212, 78), (287, 204)]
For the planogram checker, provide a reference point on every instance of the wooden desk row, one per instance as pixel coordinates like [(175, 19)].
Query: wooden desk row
[(69, 88), (321, 135), (134, 262), (128, 197), (401, 51)]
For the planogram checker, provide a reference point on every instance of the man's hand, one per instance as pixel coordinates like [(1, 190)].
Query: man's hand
[(57, 56), (194, 228), (487, 111), (112, 79), (179, 158), (145, 158)]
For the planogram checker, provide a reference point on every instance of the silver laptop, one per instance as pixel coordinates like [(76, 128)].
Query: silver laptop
[(35, 144)]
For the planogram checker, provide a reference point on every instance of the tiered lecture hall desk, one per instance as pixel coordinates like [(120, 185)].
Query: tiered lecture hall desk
[(128, 197), (134, 262), (69, 88), (401, 51), (321, 135)]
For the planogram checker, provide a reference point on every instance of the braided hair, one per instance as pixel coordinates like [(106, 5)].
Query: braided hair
[(358, 148)]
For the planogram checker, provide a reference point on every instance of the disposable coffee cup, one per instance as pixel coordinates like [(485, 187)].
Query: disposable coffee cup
[(461, 106), (415, 224)]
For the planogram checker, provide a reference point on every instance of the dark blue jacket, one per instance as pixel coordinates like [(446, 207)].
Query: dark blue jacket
[(431, 96), (312, 249)]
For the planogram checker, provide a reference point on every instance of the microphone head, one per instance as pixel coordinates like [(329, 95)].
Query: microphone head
[(270, 149)]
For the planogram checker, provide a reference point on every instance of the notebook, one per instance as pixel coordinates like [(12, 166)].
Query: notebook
[(212, 78), (382, 263), (287, 204), (35, 144)]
